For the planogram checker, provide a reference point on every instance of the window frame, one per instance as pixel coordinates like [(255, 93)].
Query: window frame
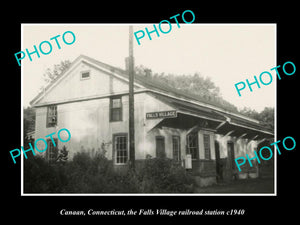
[(207, 149), (179, 148), (196, 147), (115, 150), (48, 123), (85, 78), (111, 109)]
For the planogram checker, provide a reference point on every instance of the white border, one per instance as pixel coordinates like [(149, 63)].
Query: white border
[(113, 194), (22, 120)]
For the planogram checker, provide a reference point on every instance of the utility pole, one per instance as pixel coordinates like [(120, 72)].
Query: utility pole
[(131, 101)]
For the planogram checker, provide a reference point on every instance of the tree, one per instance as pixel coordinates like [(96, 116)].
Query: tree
[(196, 85), (29, 123), (266, 117), (205, 89), (58, 69), (250, 113), (29, 119)]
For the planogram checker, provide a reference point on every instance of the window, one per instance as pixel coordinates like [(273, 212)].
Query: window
[(52, 151), (206, 138), (192, 145), (176, 148), (120, 148), (160, 147), (51, 116), (84, 75), (116, 109)]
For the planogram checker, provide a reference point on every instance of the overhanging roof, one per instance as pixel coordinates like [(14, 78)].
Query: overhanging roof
[(224, 122)]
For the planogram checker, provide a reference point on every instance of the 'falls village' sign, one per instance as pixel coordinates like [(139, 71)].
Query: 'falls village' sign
[(162, 114)]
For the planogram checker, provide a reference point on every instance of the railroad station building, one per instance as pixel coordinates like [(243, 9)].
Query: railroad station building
[(90, 99)]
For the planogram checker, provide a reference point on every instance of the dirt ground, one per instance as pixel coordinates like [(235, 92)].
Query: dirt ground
[(257, 185)]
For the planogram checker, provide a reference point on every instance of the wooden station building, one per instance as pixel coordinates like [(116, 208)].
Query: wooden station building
[(90, 99)]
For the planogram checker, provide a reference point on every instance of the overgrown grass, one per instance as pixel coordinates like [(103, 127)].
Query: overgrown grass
[(86, 174)]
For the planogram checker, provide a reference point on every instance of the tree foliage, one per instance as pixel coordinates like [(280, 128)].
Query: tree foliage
[(266, 117), (201, 87), (58, 69), (205, 90), (29, 119), (28, 123)]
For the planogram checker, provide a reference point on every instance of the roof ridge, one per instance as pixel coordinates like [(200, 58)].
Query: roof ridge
[(102, 63)]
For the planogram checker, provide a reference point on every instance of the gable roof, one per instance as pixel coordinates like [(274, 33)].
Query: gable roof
[(165, 92), (158, 86)]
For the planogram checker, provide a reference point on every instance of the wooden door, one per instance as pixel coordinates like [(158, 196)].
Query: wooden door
[(160, 147)]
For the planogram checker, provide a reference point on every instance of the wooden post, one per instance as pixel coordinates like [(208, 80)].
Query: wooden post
[(131, 101)]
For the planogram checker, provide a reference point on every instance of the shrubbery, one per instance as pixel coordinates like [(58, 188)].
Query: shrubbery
[(86, 174), (162, 175)]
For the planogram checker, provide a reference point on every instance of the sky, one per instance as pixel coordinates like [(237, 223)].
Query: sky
[(227, 53)]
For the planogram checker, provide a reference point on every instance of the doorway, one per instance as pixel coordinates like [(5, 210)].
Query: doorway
[(219, 166), (230, 149), (160, 147)]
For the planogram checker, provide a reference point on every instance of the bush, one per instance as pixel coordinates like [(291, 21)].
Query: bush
[(86, 174), (162, 175), (95, 175), (41, 177)]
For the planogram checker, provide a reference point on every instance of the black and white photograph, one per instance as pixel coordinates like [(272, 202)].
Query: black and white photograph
[(170, 114), (176, 127)]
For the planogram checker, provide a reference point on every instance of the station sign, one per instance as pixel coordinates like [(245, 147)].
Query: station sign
[(161, 114)]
